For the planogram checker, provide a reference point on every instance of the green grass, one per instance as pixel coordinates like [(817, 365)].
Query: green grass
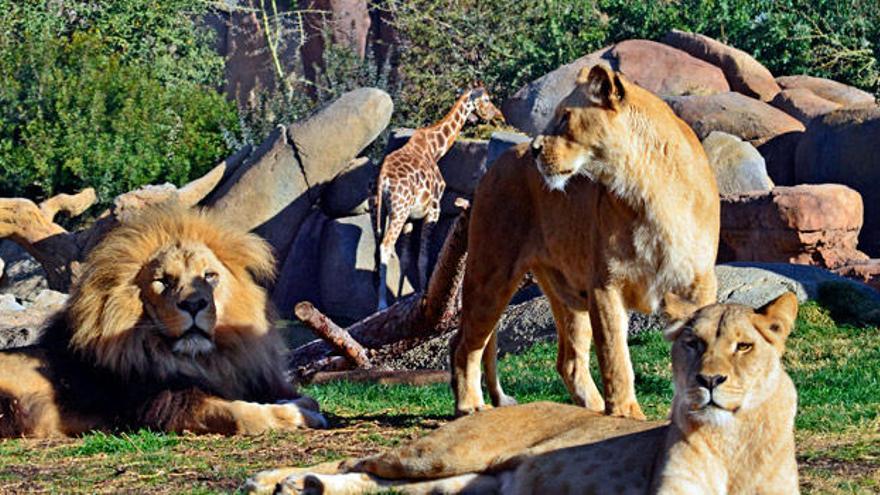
[(836, 368)]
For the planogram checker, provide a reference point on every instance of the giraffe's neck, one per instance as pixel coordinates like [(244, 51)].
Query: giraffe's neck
[(442, 134)]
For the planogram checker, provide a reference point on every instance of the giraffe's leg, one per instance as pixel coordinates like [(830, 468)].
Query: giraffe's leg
[(405, 254), (396, 220), (610, 326), (424, 245)]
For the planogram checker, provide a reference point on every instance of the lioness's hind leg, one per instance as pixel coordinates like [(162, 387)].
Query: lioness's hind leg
[(610, 326), (486, 291), (574, 333)]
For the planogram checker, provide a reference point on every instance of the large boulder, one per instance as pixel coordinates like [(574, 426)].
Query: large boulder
[(532, 107), (462, 166), (806, 224), (299, 272), (839, 93), (347, 269), (744, 74), (348, 194), (664, 70), (274, 189), (738, 166), (733, 113), (803, 104), (500, 141), (842, 147)]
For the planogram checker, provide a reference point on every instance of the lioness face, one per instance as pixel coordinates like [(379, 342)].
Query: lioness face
[(586, 129), (727, 356), (182, 288)]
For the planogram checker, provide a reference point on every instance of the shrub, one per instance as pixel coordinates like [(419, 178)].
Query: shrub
[(447, 44), (111, 95)]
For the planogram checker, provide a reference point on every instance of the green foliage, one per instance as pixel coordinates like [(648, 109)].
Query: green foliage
[(111, 95), (445, 45)]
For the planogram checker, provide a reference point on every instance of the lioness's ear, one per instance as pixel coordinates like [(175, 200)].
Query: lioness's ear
[(677, 310), (775, 320), (601, 86)]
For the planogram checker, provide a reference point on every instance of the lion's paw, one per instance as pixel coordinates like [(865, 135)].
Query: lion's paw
[(298, 413)]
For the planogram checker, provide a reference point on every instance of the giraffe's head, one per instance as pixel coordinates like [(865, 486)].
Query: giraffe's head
[(479, 105)]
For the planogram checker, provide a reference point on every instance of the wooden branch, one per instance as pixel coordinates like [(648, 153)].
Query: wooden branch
[(73, 204), (410, 320), (26, 224), (415, 378), (332, 334)]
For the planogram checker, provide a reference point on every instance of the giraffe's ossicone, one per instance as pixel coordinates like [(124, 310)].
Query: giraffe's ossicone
[(410, 184)]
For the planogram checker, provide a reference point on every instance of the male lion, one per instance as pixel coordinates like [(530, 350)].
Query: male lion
[(166, 328), (731, 430), (648, 225)]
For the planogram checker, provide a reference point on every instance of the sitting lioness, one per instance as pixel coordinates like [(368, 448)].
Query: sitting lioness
[(731, 430), (612, 210)]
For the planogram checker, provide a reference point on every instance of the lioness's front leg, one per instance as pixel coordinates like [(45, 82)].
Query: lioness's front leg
[(195, 411), (610, 327)]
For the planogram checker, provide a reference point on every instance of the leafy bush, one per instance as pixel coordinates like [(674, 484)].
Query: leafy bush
[(111, 95), (447, 44)]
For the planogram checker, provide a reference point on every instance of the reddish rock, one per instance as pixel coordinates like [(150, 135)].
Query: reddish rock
[(744, 74), (840, 93), (664, 70), (844, 147), (747, 118), (807, 224), (348, 23), (803, 104)]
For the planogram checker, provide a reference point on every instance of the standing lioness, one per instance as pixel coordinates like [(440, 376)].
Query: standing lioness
[(647, 224)]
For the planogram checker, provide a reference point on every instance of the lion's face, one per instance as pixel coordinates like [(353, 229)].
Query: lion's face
[(585, 130), (173, 292), (726, 358), (183, 288)]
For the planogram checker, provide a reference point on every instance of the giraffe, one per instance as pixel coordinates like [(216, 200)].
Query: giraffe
[(410, 184)]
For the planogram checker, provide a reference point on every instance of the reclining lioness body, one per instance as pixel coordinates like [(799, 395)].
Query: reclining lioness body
[(647, 224), (731, 430)]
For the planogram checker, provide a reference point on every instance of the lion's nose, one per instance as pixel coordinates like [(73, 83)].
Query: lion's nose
[(193, 305), (537, 144), (710, 381)]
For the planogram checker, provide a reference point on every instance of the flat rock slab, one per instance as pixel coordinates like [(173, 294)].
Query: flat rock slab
[(756, 284)]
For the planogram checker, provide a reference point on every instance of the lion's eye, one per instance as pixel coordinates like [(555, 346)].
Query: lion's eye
[(158, 285), (212, 277), (744, 347)]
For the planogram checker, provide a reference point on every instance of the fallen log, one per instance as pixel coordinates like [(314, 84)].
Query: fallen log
[(409, 321)]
